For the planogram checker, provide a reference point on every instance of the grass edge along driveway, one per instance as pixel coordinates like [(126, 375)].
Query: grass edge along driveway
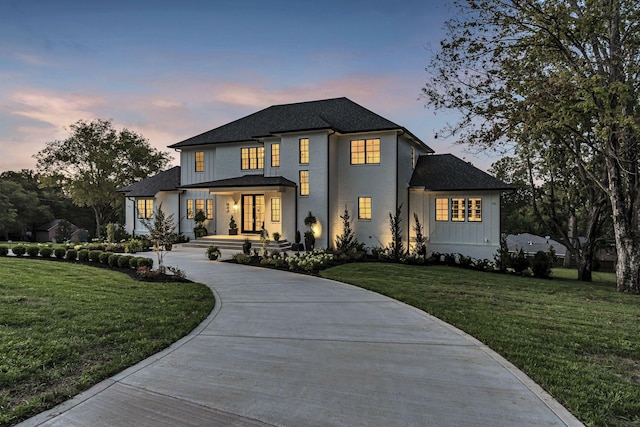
[(65, 327), (579, 341)]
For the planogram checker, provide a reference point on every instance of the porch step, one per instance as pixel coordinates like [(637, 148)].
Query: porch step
[(234, 243)]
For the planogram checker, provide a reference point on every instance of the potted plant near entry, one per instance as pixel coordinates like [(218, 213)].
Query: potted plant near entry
[(200, 230), (246, 247), (296, 246), (233, 227), (309, 237), (276, 236), (213, 253)]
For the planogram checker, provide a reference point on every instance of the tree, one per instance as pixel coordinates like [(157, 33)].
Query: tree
[(8, 211), (95, 161), (397, 245), (553, 74), (346, 241), (161, 233)]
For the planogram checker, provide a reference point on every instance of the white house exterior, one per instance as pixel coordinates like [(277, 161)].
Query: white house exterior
[(273, 167)]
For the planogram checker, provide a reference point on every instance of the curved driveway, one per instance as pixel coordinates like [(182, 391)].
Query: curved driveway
[(292, 350)]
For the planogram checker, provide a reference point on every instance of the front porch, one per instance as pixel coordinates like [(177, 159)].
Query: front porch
[(234, 243)]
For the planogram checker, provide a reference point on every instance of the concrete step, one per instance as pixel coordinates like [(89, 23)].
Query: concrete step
[(235, 243)]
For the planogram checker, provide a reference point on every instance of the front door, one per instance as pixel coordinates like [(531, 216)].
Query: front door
[(252, 213)]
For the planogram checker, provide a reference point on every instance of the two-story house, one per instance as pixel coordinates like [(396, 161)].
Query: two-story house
[(273, 167)]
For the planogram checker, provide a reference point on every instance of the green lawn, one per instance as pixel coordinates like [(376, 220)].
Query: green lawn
[(579, 341), (65, 327)]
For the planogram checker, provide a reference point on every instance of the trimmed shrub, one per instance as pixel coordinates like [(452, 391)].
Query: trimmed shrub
[(60, 252), (123, 261), (104, 257), (4, 251), (83, 255), (519, 262), (541, 265), (33, 251), (133, 246), (113, 260), (19, 250), (133, 262), (71, 255), (145, 262), (46, 252), (94, 255), (96, 246)]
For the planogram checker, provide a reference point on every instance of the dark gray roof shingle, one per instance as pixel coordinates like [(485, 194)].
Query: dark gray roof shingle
[(246, 181), (168, 180), (446, 172), (339, 114)]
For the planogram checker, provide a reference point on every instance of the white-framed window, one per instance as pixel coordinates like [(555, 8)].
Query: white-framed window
[(251, 158), (364, 208), (474, 209), (365, 151), (276, 209), (275, 155), (304, 151), (442, 209), (199, 164), (145, 208), (304, 183)]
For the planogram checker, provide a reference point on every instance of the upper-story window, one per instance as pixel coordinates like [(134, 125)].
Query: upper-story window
[(199, 161), (252, 158), (365, 151), (275, 155), (304, 151)]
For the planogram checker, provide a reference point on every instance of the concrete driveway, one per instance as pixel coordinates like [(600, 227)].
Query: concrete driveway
[(292, 350)]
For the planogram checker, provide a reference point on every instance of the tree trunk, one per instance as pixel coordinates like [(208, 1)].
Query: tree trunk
[(572, 233)]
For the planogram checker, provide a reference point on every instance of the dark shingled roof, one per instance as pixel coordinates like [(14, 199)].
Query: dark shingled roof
[(446, 172), (339, 114), (168, 180), (246, 181)]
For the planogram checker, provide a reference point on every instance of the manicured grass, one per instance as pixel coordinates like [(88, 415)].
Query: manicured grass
[(65, 327), (579, 341)]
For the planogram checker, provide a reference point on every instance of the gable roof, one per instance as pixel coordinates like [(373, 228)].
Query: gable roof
[(168, 180), (338, 114), (446, 172)]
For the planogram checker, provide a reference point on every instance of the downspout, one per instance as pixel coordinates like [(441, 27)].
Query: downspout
[(329, 187), (133, 227)]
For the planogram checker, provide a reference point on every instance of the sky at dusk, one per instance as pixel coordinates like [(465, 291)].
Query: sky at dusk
[(172, 69)]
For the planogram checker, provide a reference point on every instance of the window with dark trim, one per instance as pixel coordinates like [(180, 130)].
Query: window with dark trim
[(458, 208), (209, 209), (364, 208), (276, 210), (190, 212), (275, 155), (251, 158), (145, 208), (304, 183), (365, 151), (304, 151), (474, 209), (199, 166)]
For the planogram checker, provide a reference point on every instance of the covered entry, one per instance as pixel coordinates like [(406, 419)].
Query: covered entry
[(253, 209)]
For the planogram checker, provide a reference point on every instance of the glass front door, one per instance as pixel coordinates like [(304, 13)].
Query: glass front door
[(252, 213)]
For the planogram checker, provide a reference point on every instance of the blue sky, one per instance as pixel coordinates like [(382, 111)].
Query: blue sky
[(172, 69)]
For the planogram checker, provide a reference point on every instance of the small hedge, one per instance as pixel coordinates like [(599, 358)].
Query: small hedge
[(113, 260), (94, 255), (19, 250), (60, 252), (124, 260), (4, 251), (71, 255), (33, 251), (46, 252), (145, 262), (83, 255), (104, 257), (133, 262)]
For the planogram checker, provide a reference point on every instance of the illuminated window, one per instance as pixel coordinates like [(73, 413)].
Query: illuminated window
[(457, 209), (145, 208), (199, 161), (189, 209), (275, 155), (304, 151), (474, 209), (275, 209), (200, 205), (364, 207), (304, 183), (365, 151), (442, 209), (252, 158), (209, 209)]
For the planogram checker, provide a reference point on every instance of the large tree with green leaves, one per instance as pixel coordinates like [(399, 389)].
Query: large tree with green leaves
[(553, 75), (96, 160)]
